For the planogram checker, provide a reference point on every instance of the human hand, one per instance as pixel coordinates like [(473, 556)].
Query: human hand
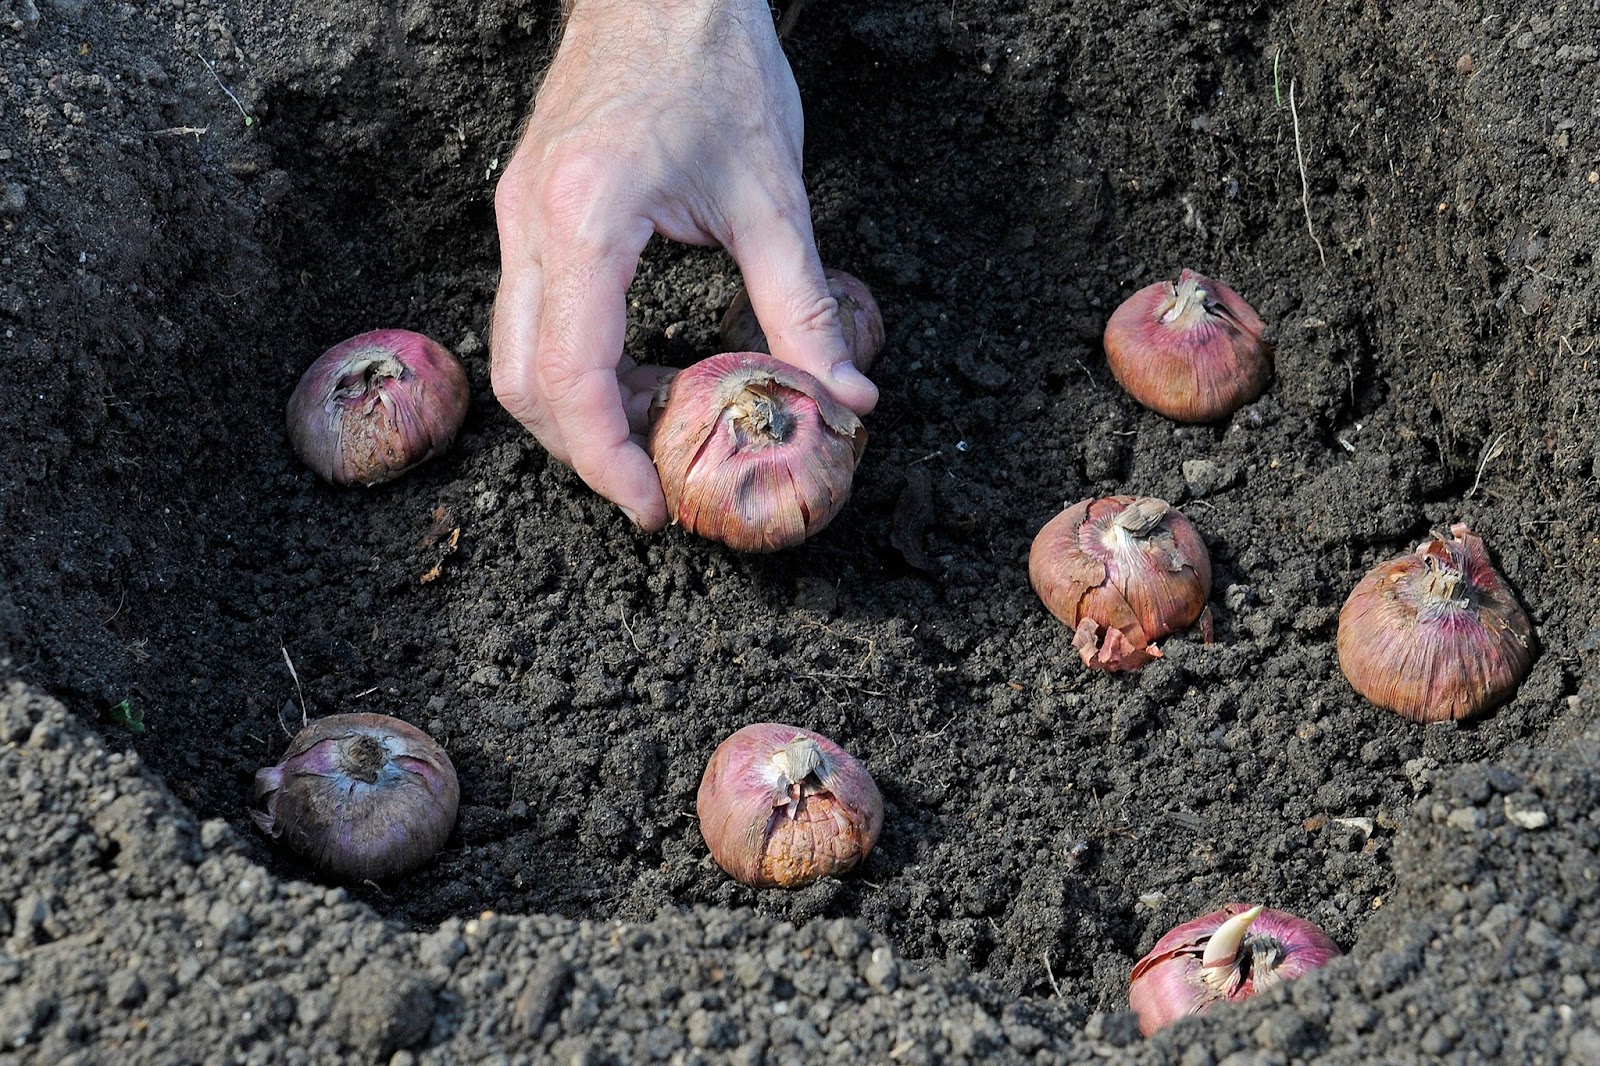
[(678, 117)]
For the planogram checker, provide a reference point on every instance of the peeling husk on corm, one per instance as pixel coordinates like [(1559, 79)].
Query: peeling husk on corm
[(1122, 571), (753, 452), (362, 796), (1436, 634)]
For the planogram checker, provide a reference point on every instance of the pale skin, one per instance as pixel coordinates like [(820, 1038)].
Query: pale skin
[(677, 117)]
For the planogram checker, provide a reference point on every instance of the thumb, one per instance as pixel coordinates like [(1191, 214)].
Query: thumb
[(800, 317)]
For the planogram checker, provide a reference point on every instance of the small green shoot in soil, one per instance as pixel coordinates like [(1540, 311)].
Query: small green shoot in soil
[(127, 716), (1277, 85)]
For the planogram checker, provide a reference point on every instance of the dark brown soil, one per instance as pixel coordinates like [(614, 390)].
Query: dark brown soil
[(1406, 192)]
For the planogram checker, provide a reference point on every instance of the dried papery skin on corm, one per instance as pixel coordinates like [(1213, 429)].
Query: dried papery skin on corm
[(1191, 351), (372, 407), (361, 796), (1436, 634), (752, 452), (1122, 571), (1228, 955), (781, 806)]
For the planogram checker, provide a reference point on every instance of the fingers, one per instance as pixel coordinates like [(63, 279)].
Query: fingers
[(777, 254), (556, 333), (582, 319), (513, 339)]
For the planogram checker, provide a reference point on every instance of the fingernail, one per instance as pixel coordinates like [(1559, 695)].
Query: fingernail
[(846, 376), (633, 516)]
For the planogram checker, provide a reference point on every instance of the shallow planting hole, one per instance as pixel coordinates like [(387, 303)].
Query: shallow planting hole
[(1416, 234)]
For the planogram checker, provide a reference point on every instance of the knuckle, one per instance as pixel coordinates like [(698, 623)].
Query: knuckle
[(523, 406), (593, 468), (506, 381), (811, 336), (566, 191), (517, 400), (818, 315), (512, 199), (560, 379), (553, 193)]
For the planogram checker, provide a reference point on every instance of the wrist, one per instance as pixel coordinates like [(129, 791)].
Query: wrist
[(672, 9), (652, 29)]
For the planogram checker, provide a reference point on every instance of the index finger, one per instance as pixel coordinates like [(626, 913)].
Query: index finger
[(777, 255)]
